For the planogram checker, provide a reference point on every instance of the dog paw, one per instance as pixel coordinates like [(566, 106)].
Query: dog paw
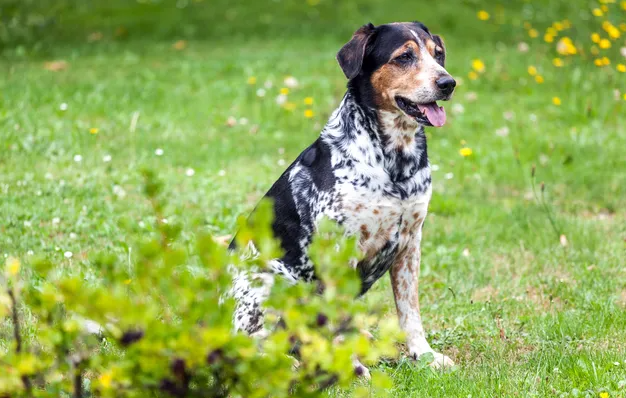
[(441, 361), (361, 370)]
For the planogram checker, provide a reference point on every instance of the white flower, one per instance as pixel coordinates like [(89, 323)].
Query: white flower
[(616, 363), (243, 121), (260, 92), (502, 132), (63, 106), (78, 158), (119, 191), (281, 162), (532, 117), (268, 84), (142, 224), (471, 96), (106, 158), (164, 221), (466, 252), (158, 152), (73, 235), (448, 176), (281, 99), (523, 47), (291, 82), (28, 224), (30, 252), (221, 173), (68, 254), (56, 220), (623, 51), (434, 167), (48, 176), (190, 172), (458, 108)]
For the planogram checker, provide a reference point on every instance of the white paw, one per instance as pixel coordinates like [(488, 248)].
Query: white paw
[(441, 361)]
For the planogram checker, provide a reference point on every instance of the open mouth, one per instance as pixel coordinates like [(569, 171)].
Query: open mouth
[(429, 112)]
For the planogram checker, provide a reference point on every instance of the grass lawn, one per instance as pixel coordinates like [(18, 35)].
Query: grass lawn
[(527, 295)]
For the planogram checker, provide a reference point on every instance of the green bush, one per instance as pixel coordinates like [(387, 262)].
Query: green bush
[(166, 326)]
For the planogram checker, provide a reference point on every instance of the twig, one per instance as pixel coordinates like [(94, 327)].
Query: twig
[(18, 339)]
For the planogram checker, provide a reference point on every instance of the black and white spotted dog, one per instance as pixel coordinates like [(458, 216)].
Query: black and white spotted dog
[(368, 171)]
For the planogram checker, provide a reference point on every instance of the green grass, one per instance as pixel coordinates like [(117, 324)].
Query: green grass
[(520, 313)]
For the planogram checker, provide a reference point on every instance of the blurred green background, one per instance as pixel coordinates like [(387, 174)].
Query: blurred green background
[(220, 96)]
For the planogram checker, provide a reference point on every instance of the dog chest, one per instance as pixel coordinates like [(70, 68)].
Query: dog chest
[(383, 221)]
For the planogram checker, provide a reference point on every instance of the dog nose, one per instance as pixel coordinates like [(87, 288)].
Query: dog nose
[(446, 84)]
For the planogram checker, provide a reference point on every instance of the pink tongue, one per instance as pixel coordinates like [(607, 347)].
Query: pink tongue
[(436, 114)]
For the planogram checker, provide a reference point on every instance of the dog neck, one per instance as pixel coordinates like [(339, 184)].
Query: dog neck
[(377, 138)]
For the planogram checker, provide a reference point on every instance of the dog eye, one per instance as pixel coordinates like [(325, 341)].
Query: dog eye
[(406, 57)]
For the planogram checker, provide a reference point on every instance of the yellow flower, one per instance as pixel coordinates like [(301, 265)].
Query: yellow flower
[(623, 3), (284, 91), (556, 101), (597, 12), (472, 75), (533, 33), (597, 62), (558, 26), (558, 62), (290, 106), (595, 38), (604, 394), (12, 266), (478, 65), (624, 96), (539, 79), (93, 130), (252, 80), (548, 38), (566, 24), (483, 15), (604, 44), (613, 32), (606, 61), (605, 8), (465, 152), (622, 27), (309, 114), (308, 101), (565, 46), (621, 68), (105, 379), (532, 70)]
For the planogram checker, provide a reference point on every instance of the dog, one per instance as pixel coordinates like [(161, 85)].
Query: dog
[(368, 171)]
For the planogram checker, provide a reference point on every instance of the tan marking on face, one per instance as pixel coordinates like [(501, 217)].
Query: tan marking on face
[(392, 79)]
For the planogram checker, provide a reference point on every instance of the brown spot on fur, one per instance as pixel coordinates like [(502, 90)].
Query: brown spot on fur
[(359, 207), (364, 232), (376, 211), (416, 214)]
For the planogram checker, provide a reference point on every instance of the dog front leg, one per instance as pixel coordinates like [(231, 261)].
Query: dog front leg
[(404, 280)]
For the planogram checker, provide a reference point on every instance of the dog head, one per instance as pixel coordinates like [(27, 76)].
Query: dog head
[(399, 68)]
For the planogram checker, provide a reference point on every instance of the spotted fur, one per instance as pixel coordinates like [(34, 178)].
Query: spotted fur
[(368, 171)]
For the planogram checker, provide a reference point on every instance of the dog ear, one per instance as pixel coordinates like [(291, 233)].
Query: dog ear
[(442, 58), (350, 57)]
